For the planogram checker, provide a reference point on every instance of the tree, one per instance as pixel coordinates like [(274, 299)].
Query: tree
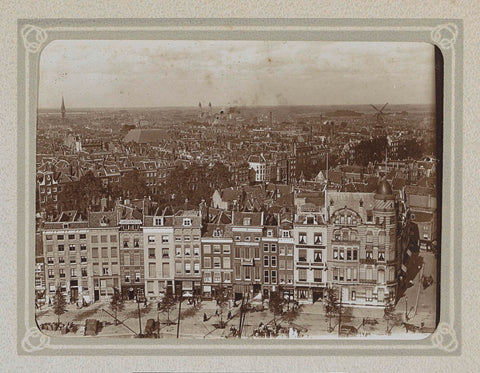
[(332, 306), (367, 151), (133, 185), (389, 313), (59, 304), (221, 299), (167, 302), (276, 304), (116, 303)]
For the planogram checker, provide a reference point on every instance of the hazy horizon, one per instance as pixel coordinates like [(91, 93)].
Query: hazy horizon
[(181, 73)]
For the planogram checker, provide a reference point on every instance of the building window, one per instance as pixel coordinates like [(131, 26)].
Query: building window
[(274, 248), (317, 275), (274, 261), (207, 262), (126, 259), (73, 272), (83, 246), (51, 273), (226, 249), (178, 238), (61, 248), (103, 238), (369, 237), (196, 238), (187, 268), (302, 238), (72, 247), (83, 259), (186, 238), (381, 238), (302, 255), (369, 295), (247, 221), (216, 262), (265, 247), (227, 277), (266, 276), (84, 272), (217, 277), (237, 238), (73, 260), (59, 237), (335, 274), (136, 259), (317, 239), (207, 277), (256, 238), (342, 254), (62, 272), (226, 262), (216, 249), (274, 277), (355, 254), (136, 242), (187, 222), (113, 238), (317, 256), (269, 233), (178, 251), (166, 269), (369, 254), (152, 270), (137, 277), (207, 249), (349, 254), (83, 236), (341, 274), (286, 234), (151, 253), (151, 239), (247, 238), (104, 252), (164, 239), (196, 268), (61, 260), (71, 236), (125, 243), (302, 274), (50, 260), (127, 278), (188, 251), (158, 221), (265, 261), (354, 295), (381, 256), (94, 239)]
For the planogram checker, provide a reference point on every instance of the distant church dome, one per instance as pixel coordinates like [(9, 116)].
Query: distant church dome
[(384, 190)]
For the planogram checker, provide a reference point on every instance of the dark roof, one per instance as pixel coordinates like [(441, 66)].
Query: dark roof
[(102, 219), (142, 136), (384, 188)]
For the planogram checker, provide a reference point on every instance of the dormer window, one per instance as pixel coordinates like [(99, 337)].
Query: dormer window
[(286, 234), (217, 233), (158, 221), (187, 222), (269, 233), (247, 221)]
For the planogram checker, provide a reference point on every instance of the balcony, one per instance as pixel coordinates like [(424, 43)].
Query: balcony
[(368, 261), (246, 262), (363, 281)]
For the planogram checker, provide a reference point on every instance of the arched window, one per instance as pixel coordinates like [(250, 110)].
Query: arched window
[(381, 276), (369, 237), (381, 238)]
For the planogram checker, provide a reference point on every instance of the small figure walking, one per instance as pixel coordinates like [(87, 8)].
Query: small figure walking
[(145, 303), (205, 317)]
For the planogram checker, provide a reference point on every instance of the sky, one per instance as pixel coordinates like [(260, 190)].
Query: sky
[(156, 73)]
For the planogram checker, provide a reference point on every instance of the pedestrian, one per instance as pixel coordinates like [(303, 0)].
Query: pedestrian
[(216, 312), (229, 316), (205, 317), (145, 302)]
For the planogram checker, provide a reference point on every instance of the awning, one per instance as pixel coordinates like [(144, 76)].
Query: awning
[(207, 288), (187, 294)]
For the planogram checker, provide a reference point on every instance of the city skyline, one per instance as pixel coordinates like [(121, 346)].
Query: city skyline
[(101, 74)]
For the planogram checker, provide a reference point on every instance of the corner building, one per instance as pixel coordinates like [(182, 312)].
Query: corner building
[(362, 256)]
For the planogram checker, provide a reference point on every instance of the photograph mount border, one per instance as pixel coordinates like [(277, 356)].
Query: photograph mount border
[(35, 34)]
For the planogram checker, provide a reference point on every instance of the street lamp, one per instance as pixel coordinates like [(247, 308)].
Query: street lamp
[(139, 314)]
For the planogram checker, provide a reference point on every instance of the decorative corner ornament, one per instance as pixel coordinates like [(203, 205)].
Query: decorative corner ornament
[(33, 38), (445, 35), (445, 338), (34, 340)]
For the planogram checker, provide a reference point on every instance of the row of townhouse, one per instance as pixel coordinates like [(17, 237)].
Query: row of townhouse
[(350, 245)]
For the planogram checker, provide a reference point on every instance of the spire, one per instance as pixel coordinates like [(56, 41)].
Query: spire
[(62, 109)]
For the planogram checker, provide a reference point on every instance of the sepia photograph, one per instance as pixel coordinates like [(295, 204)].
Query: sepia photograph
[(237, 189)]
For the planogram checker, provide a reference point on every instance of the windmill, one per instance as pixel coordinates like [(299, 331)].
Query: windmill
[(379, 115)]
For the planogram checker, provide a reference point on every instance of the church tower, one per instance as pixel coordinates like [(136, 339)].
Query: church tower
[(62, 110)]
